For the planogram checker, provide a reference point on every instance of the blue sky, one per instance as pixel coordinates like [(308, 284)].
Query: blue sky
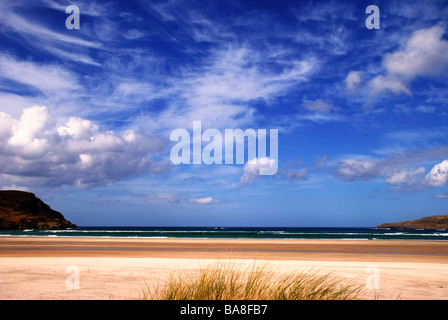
[(86, 114)]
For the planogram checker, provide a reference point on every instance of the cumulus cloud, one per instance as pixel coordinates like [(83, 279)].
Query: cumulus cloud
[(438, 176), (403, 176), (251, 170), (207, 200), (358, 169), (381, 83), (36, 151), (353, 80), (423, 54), (29, 136), (395, 171)]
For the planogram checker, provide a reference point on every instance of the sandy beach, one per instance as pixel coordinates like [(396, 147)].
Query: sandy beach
[(74, 268)]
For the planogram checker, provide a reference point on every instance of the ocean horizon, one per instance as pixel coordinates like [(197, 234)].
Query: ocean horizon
[(329, 233)]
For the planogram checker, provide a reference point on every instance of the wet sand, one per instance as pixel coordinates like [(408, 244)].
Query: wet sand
[(121, 268)]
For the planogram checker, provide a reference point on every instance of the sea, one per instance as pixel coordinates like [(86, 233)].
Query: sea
[(237, 233)]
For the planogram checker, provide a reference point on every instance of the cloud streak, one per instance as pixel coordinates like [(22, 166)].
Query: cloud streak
[(203, 201)]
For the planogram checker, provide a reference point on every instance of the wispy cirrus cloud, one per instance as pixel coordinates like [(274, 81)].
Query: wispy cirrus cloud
[(30, 82), (220, 92), (49, 79), (53, 41), (252, 169)]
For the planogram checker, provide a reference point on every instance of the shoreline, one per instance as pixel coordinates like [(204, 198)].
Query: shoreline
[(290, 233), (214, 238), (110, 268)]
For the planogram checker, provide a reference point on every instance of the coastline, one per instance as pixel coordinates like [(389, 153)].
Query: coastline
[(289, 233), (118, 268)]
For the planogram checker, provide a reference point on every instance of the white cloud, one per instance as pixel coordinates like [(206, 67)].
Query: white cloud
[(90, 8), (403, 176), (6, 123), (236, 75), (47, 78), (395, 170), (425, 109), (218, 88), (30, 137), (207, 200), (41, 33), (134, 89), (381, 83), (219, 93), (353, 80), (319, 106), (41, 37), (357, 169), (78, 56), (35, 151), (133, 34), (78, 128), (424, 54), (438, 176), (315, 117), (251, 170)]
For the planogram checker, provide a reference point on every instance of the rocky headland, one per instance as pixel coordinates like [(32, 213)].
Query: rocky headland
[(23, 210), (431, 222)]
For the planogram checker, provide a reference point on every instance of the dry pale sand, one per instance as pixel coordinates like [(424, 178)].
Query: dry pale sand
[(119, 268)]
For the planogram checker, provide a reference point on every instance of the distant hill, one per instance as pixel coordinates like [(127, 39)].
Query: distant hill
[(23, 210), (432, 222)]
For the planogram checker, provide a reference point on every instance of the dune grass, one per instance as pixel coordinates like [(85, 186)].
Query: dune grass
[(227, 281)]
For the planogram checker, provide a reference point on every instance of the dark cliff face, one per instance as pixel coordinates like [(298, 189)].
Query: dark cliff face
[(432, 222), (23, 210)]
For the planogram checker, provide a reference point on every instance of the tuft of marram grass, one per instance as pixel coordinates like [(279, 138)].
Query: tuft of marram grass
[(227, 281)]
